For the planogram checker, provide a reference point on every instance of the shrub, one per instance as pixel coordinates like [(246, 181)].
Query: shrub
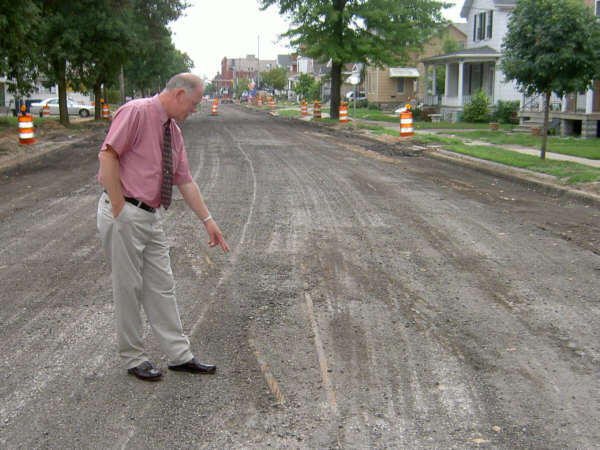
[(478, 110), (373, 106), (505, 110)]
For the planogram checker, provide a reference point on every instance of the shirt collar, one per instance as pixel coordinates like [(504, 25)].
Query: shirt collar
[(161, 109)]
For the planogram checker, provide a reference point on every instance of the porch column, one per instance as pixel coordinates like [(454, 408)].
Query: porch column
[(589, 101), (426, 83), (434, 82), (447, 82), (563, 104), (461, 67)]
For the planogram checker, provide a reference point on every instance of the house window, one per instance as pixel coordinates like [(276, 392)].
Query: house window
[(400, 85), (481, 27)]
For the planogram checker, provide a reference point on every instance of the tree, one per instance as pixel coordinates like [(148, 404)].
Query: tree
[(377, 32), (241, 85), (155, 59), (551, 46), (59, 35), (276, 78), (304, 85), (110, 41)]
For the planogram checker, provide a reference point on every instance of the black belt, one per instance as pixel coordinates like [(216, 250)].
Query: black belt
[(140, 204)]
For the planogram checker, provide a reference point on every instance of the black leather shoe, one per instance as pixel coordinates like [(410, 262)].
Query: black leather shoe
[(194, 366), (145, 372)]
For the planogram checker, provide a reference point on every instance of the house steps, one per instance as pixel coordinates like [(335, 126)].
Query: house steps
[(526, 126)]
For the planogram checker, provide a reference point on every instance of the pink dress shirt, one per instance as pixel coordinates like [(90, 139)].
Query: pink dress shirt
[(136, 134)]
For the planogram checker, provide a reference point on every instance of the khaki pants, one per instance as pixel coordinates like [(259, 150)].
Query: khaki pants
[(136, 249)]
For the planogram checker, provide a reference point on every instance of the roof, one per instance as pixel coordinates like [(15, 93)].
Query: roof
[(498, 4), (471, 53), (464, 27), (284, 60)]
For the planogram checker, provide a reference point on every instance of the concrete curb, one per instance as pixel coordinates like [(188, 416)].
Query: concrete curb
[(525, 177)]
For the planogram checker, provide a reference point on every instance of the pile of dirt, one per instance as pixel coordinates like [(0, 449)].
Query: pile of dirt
[(48, 135)]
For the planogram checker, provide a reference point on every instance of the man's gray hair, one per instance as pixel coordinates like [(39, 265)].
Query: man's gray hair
[(187, 81)]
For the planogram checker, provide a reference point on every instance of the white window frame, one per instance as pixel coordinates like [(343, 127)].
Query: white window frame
[(398, 90)]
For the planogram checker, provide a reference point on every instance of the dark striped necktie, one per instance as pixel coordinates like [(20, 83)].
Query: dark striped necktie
[(166, 189)]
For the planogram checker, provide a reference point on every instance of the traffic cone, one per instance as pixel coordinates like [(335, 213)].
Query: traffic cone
[(26, 129), (272, 103), (304, 108), (343, 113), (259, 100), (215, 108), (46, 111), (406, 123), (105, 111), (317, 110)]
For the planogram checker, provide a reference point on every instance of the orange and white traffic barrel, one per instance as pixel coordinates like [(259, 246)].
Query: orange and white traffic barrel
[(45, 111), (105, 112), (214, 110), (26, 129), (272, 103), (304, 108), (317, 110), (406, 123), (343, 113), (259, 100)]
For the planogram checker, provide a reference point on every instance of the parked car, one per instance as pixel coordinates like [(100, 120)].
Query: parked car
[(73, 107), (362, 95)]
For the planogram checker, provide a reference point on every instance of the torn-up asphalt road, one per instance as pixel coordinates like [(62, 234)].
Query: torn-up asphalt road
[(369, 302)]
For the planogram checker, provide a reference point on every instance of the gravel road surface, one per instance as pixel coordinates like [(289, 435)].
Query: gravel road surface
[(371, 300)]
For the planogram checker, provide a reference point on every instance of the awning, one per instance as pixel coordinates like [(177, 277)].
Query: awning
[(404, 72)]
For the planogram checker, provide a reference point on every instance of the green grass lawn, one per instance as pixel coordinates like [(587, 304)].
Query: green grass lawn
[(585, 148), (566, 171), (444, 125)]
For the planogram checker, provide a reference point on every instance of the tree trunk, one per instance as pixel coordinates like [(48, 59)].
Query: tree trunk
[(97, 97), (61, 67), (336, 84), (545, 127)]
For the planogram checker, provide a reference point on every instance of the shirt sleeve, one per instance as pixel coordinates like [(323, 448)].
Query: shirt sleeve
[(181, 173), (123, 130)]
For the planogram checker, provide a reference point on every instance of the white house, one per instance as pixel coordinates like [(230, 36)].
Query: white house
[(477, 67)]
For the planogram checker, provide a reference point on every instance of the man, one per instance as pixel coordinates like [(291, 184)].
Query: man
[(142, 157)]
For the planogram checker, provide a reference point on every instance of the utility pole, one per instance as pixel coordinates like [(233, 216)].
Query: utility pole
[(258, 68)]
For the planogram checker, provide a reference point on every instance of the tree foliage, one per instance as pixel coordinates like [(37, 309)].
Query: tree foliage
[(377, 32), (551, 46), (276, 78), (17, 49), (240, 87), (306, 87), (84, 44)]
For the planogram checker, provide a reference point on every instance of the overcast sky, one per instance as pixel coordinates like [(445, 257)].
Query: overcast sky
[(213, 29)]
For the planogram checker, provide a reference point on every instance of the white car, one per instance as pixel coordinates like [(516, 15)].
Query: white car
[(362, 95), (73, 107)]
